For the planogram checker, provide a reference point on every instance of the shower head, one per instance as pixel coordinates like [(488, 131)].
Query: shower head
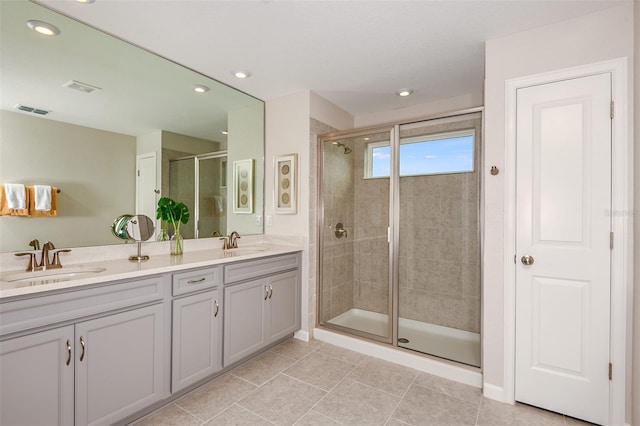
[(347, 150)]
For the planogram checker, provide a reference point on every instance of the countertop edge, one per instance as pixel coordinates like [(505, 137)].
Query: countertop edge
[(123, 269)]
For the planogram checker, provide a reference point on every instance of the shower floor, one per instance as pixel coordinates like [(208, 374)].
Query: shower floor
[(444, 342)]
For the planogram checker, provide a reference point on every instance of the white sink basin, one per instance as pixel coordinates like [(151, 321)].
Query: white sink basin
[(60, 274), (245, 250)]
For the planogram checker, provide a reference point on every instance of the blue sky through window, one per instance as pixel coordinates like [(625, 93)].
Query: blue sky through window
[(448, 155)]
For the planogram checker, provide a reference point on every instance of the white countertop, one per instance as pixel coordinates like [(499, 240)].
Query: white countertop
[(119, 269)]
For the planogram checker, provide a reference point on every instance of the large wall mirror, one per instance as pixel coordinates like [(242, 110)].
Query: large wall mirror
[(122, 128)]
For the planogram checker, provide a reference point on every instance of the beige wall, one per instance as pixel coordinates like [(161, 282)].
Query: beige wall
[(94, 169), (589, 39)]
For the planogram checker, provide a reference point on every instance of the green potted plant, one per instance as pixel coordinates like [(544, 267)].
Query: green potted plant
[(175, 214)]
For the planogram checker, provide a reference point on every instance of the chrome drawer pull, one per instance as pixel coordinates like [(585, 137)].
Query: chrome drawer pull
[(83, 348), (266, 292), (68, 352), (196, 281), (270, 291), (217, 308)]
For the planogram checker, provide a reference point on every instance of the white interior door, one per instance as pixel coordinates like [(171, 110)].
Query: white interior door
[(563, 233), (146, 195)]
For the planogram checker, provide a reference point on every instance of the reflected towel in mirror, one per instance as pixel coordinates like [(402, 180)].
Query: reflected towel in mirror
[(42, 197), (14, 200), (33, 201)]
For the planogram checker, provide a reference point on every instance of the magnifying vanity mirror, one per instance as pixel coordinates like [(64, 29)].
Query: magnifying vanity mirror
[(116, 127), (136, 228)]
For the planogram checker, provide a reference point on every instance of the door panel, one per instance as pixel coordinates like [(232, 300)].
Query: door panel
[(563, 291), (36, 379), (120, 370)]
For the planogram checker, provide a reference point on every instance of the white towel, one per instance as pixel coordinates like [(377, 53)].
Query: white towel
[(16, 196), (43, 197)]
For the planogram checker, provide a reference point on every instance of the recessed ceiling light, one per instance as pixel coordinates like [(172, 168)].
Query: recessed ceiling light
[(367, 139), (85, 1), (199, 88), (404, 92), (224, 132), (241, 73), (43, 28)]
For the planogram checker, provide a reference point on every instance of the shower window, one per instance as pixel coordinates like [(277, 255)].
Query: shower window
[(450, 152)]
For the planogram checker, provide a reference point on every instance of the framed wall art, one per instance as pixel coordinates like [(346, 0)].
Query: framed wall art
[(243, 186), (285, 183)]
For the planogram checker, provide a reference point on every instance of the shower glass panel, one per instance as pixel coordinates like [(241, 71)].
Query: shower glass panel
[(439, 248), (354, 249), (182, 188), (200, 182), (212, 197)]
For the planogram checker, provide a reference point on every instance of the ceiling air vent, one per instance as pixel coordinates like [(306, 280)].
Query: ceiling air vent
[(81, 87), (32, 109)]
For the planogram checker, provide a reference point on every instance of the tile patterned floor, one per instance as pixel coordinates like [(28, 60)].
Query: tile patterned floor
[(317, 384)]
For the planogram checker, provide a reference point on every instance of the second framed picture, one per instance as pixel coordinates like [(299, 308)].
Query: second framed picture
[(243, 186), (285, 184)]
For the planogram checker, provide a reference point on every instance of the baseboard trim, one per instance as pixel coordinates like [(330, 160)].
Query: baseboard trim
[(301, 335), (494, 392)]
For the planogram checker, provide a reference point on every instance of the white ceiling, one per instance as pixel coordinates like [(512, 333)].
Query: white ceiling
[(353, 53)]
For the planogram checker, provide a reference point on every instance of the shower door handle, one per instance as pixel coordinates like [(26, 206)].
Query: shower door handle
[(340, 231)]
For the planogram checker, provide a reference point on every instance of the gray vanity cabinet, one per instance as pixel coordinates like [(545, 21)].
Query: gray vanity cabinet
[(119, 365), (196, 345), (284, 305), (245, 325), (260, 311), (36, 378), (105, 364)]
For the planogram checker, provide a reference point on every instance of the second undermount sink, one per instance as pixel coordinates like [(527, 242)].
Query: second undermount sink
[(246, 250), (60, 274)]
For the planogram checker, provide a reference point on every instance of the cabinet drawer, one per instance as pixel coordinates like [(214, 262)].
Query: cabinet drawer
[(40, 311), (197, 279), (255, 268)]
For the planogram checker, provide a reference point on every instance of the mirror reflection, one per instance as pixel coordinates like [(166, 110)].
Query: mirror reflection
[(116, 128)]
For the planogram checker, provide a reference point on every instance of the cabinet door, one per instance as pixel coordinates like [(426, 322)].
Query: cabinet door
[(244, 319), (284, 305), (119, 364), (36, 379), (197, 338)]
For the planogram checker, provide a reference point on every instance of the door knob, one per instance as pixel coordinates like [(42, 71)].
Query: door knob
[(527, 260)]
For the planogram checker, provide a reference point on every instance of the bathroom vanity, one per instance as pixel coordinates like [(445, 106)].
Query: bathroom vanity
[(109, 346)]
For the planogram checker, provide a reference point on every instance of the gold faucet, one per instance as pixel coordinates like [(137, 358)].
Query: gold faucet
[(233, 239), (44, 259)]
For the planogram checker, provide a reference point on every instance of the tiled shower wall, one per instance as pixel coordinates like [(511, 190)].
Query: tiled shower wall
[(439, 242), (338, 257)]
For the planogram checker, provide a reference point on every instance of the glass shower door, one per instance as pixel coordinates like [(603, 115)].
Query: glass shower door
[(212, 197), (355, 290), (439, 247), (182, 189)]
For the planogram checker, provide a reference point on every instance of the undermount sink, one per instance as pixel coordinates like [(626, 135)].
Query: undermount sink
[(65, 273), (246, 250)]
